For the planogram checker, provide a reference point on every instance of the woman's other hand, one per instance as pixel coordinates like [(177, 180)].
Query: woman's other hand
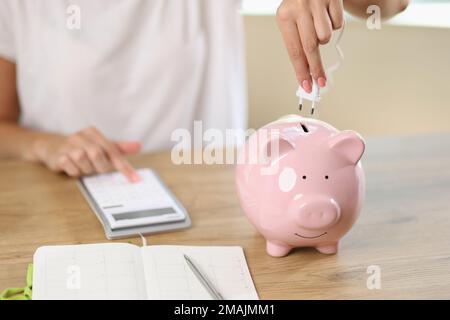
[(86, 152), (306, 24)]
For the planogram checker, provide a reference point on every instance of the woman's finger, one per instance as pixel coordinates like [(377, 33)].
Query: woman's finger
[(113, 153), (126, 169), (336, 13), (97, 155), (81, 160), (128, 147), (311, 47), (66, 165), (98, 158), (291, 38), (322, 24)]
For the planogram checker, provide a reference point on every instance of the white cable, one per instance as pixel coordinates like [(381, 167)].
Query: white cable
[(336, 66), (144, 240), (315, 95)]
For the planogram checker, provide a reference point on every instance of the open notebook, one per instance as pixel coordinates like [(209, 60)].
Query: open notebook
[(126, 271)]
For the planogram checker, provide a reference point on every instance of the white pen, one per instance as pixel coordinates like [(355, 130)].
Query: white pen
[(203, 279)]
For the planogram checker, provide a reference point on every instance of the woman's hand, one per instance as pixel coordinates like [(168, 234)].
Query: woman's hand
[(305, 24), (86, 152)]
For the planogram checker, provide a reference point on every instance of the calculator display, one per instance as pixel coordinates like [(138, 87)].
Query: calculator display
[(143, 214)]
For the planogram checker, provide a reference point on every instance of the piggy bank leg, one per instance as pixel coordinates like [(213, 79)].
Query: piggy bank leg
[(329, 248), (277, 249)]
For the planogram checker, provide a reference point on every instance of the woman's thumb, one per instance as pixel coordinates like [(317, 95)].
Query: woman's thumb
[(128, 147)]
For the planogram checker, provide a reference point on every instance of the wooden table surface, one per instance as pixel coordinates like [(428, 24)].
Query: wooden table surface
[(404, 227)]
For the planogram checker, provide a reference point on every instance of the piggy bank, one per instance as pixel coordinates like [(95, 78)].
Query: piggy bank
[(301, 184)]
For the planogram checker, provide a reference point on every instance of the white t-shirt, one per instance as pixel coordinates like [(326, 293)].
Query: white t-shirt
[(136, 69)]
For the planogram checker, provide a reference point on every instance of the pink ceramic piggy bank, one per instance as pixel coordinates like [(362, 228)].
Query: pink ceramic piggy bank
[(305, 186)]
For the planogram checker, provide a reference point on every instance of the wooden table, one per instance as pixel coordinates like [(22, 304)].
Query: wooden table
[(404, 228)]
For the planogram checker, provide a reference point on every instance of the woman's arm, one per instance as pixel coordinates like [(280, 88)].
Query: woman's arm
[(83, 153), (388, 8), (15, 142)]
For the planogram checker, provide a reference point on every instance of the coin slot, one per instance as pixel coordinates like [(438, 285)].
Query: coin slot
[(305, 129)]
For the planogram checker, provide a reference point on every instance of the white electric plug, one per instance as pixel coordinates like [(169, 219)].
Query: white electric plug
[(315, 95)]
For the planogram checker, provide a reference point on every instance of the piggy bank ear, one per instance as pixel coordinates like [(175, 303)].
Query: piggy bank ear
[(348, 144), (275, 148)]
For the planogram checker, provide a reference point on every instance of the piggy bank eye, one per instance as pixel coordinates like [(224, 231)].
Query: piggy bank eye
[(326, 177), (287, 179)]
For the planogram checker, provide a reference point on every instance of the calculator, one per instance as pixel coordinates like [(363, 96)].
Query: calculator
[(127, 209)]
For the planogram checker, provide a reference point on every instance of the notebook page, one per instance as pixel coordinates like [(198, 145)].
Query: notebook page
[(90, 271), (167, 276)]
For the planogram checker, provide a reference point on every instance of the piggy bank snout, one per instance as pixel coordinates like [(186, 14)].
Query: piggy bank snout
[(318, 214)]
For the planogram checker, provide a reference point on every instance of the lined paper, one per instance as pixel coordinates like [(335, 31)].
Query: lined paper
[(104, 271), (169, 277)]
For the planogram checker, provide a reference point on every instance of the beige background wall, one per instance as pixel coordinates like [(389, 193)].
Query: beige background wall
[(393, 81)]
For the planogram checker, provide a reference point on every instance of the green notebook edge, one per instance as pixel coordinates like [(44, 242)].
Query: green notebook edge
[(20, 293)]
